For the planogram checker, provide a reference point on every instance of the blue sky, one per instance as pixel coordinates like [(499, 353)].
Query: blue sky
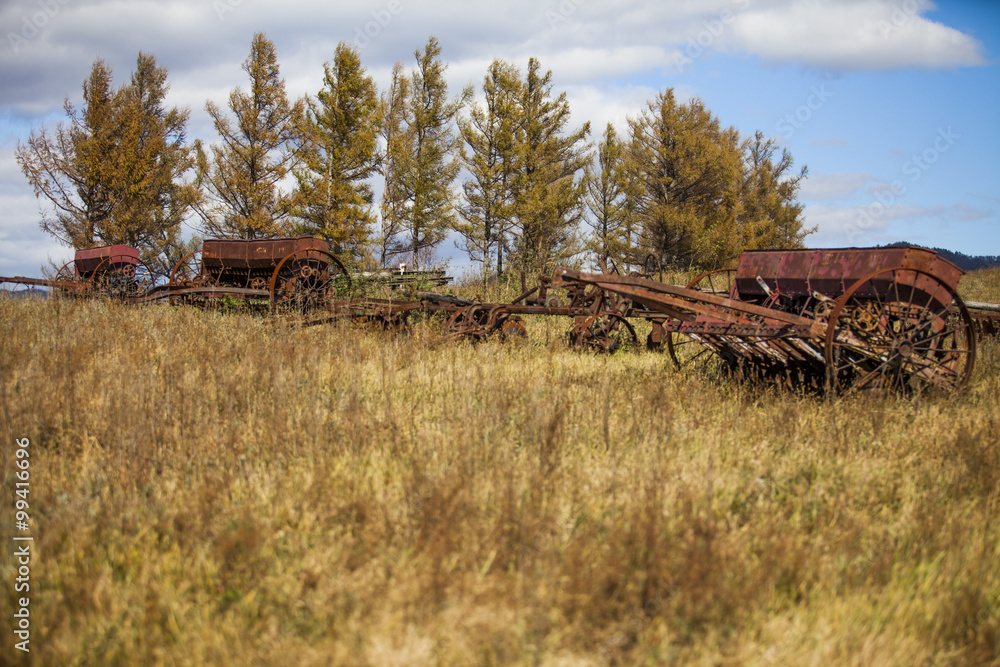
[(894, 105), (932, 132)]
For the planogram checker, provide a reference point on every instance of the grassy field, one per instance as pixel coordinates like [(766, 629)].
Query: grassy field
[(215, 489)]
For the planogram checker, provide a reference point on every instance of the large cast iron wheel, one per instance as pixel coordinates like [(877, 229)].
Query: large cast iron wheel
[(683, 349), (899, 330), (306, 281)]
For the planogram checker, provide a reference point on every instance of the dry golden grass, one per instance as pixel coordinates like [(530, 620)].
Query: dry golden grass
[(981, 286), (211, 489)]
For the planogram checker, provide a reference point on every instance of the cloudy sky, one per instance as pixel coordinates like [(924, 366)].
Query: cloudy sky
[(894, 105)]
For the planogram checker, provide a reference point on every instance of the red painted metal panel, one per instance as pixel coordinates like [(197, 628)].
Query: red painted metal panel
[(256, 253), (831, 271), (87, 261)]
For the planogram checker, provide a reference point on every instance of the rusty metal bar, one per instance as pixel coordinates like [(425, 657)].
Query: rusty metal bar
[(36, 282), (689, 299)]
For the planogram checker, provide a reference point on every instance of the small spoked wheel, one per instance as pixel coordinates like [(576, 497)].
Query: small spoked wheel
[(604, 332), (189, 270), (684, 349)]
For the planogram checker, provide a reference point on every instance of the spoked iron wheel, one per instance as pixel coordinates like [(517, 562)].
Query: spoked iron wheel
[(189, 270), (306, 281), (69, 282), (466, 322), (604, 332), (652, 267), (897, 331), (682, 348), (122, 277), (477, 323)]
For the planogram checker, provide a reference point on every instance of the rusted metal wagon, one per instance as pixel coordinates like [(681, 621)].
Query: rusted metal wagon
[(297, 275), (847, 319), (114, 271)]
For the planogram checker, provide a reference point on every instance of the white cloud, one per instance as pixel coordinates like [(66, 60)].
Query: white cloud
[(51, 54), (965, 213), (589, 63), (852, 35), (841, 185), (607, 104), (874, 222)]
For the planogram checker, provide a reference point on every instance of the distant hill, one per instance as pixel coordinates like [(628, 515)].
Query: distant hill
[(962, 261), (26, 293)]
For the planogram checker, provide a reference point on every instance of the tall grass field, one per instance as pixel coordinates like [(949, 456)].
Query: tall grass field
[(218, 488)]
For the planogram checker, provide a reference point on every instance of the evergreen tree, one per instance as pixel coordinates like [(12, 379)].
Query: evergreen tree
[(423, 158), (548, 195), (610, 200), (770, 216), (148, 163), (338, 149), (115, 174), (245, 200), (492, 156), (396, 163), (705, 195), (689, 169)]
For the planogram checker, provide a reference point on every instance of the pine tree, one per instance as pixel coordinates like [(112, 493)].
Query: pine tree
[(689, 168), (242, 182), (492, 157), (770, 216), (423, 158), (395, 164), (148, 164), (115, 174), (549, 196), (610, 200), (705, 195), (338, 148), (90, 140)]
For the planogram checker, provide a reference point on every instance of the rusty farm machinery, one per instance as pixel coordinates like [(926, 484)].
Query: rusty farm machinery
[(839, 320), (110, 271)]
